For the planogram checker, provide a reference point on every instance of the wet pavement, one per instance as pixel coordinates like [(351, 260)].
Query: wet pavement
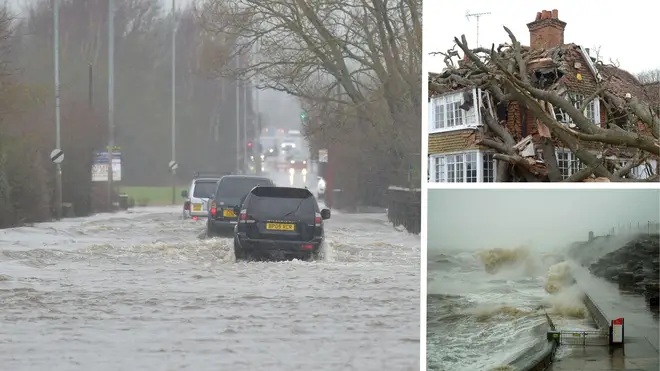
[(640, 349), (636, 355), (639, 320), (139, 290)]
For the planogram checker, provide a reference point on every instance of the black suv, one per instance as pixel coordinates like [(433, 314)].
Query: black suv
[(229, 193), (279, 222)]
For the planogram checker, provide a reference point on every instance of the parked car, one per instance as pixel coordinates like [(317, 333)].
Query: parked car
[(320, 188), (279, 223), (196, 198), (230, 191)]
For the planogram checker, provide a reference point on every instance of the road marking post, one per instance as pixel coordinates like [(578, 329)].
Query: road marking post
[(173, 166)]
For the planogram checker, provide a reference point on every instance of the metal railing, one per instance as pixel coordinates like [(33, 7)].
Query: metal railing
[(650, 227), (583, 337)]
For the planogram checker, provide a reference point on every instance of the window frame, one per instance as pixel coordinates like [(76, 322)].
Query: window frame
[(577, 100), (470, 119), (440, 162), (640, 172), (574, 163)]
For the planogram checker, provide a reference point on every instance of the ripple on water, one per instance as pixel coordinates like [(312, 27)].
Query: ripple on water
[(160, 298)]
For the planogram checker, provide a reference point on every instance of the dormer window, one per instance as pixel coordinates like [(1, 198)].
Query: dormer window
[(592, 111)]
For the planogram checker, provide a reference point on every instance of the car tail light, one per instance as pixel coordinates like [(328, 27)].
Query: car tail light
[(307, 247), (243, 216), (317, 220), (186, 205), (213, 208)]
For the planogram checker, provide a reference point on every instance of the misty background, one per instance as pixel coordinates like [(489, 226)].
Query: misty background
[(367, 119), (281, 109), (477, 219)]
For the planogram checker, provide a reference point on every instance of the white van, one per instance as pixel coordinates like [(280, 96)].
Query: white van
[(201, 188)]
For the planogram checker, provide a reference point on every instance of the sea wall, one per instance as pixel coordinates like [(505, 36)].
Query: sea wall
[(539, 356)]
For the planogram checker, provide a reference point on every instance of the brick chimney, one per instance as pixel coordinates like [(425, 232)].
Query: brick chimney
[(547, 31)]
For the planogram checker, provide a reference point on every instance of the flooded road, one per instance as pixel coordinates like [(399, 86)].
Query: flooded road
[(139, 290)]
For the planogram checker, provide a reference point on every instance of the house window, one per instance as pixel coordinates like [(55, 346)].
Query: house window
[(488, 168), (643, 171), (465, 167), (568, 163), (592, 111), (446, 112), (440, 169)]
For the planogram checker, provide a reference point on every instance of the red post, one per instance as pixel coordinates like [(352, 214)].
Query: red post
[(329, 183)]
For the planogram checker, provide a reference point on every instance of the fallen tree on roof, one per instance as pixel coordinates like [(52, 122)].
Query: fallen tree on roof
[(541, 82)]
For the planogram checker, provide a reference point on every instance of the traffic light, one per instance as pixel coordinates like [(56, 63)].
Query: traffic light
[(303, 116)]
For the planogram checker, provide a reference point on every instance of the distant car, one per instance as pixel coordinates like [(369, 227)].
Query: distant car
[(229, 193), (320, 187), (201, 188), (269, 146), (296, 161), (280, 222), (287, 146)]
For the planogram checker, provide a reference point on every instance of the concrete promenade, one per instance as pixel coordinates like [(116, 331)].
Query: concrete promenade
[(641, 332)]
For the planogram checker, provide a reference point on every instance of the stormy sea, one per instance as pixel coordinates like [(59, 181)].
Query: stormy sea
[(486, 307)]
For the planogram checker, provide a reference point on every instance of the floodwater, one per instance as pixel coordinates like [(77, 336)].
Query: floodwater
[(479, 320), (139, 290)]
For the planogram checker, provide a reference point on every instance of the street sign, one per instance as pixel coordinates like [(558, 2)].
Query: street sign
[(100, 167), (323, 155), (57, 156), (616, 334), (173, 165)]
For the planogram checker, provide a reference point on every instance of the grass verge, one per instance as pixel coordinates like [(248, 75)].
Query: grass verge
[(152, 196)]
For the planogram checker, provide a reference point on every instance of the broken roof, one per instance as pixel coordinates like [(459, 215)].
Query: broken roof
[(567, 65)]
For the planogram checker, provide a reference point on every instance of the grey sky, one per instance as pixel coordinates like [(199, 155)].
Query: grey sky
[(480, 218), (277, 108), (624, 31)]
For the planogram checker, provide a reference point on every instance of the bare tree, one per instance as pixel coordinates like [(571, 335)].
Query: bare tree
[(650, 76), (346, 57), (536, 80), (143, 100)]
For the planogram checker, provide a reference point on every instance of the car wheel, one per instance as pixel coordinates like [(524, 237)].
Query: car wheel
[(317, 255), (210, 232), (239, 254)]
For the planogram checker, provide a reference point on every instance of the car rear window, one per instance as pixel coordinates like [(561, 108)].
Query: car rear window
[(276, 202), (204, 188), (239, 187)]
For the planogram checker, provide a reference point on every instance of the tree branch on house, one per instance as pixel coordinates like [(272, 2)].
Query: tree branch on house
[(562, 89)]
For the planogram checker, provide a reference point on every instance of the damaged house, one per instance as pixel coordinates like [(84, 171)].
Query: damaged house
[(544, 112)]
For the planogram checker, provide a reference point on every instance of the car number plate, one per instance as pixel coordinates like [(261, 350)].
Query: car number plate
[(197, 207), (280, 227), (228, 213)]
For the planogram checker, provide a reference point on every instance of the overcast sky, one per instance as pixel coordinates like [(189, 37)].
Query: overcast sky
[(278, 109), (478, 219), (626, 31)]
